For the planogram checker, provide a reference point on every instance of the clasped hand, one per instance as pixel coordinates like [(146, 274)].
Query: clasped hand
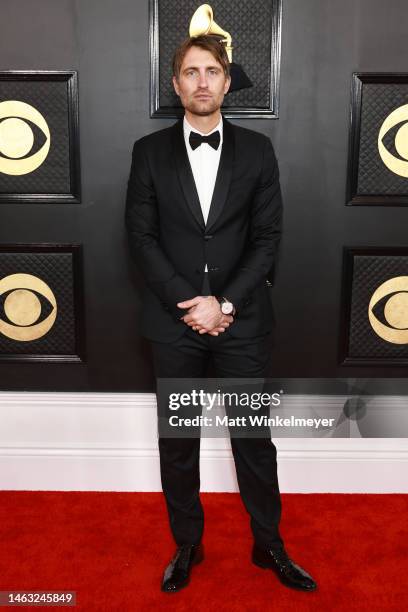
[(204, 315)]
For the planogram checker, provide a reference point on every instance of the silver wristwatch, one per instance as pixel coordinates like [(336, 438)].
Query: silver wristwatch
[(227, 307)]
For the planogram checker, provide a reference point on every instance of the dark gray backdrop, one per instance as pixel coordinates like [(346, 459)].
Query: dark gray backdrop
[(323, 42)]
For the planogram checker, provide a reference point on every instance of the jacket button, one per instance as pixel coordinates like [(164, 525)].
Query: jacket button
[(207, 236)]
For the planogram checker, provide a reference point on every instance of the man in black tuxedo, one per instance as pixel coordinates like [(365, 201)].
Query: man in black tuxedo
[(203, 215)]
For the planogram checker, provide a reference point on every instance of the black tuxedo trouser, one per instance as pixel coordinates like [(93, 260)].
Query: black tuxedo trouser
[(255, 458)]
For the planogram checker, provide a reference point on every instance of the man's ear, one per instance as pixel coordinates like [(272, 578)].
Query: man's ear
[(227, 85), (175, 85)]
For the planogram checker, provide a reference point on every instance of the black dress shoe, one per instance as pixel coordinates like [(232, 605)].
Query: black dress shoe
[(177, 573), (290, 574)]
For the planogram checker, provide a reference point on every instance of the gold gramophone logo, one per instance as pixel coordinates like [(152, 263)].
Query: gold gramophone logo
[(18, 123), (23, 308), (398, 165), (202, 22), (395, 310)]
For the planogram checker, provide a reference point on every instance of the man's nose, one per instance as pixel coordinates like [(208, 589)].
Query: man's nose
[(202, 81)]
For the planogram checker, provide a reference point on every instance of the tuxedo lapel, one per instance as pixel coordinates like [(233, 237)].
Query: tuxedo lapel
[(185, 173), (224, 175)]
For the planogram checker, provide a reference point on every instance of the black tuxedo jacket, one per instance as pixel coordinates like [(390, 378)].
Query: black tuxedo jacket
[(171, 243)]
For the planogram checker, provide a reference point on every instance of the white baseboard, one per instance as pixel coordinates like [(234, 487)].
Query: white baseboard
[(108, 442)]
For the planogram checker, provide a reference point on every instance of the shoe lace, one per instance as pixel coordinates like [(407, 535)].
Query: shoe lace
[(282, 558)]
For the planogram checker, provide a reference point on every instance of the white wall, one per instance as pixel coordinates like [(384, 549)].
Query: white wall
[(108, 442)]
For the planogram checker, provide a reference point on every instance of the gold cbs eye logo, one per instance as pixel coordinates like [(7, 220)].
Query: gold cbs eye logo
[(393, 163), (23, 308), (17, 138), (395, 310)]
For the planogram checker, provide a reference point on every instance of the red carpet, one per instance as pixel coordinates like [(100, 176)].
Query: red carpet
[(111, 548)]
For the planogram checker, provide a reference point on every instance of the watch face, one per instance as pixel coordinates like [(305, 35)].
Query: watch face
[(227, 308)]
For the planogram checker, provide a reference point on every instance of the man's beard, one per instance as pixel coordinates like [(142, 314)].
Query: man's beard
[(203, 108)]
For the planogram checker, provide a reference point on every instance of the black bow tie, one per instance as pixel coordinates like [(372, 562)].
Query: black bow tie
[(213, 140)]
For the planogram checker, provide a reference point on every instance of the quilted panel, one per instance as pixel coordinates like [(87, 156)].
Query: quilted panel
[(50, 98), (370, 271), (378, 101), (56, 270), (250, 24)]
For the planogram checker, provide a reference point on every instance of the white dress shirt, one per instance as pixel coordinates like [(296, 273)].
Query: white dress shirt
[(204, 162)]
